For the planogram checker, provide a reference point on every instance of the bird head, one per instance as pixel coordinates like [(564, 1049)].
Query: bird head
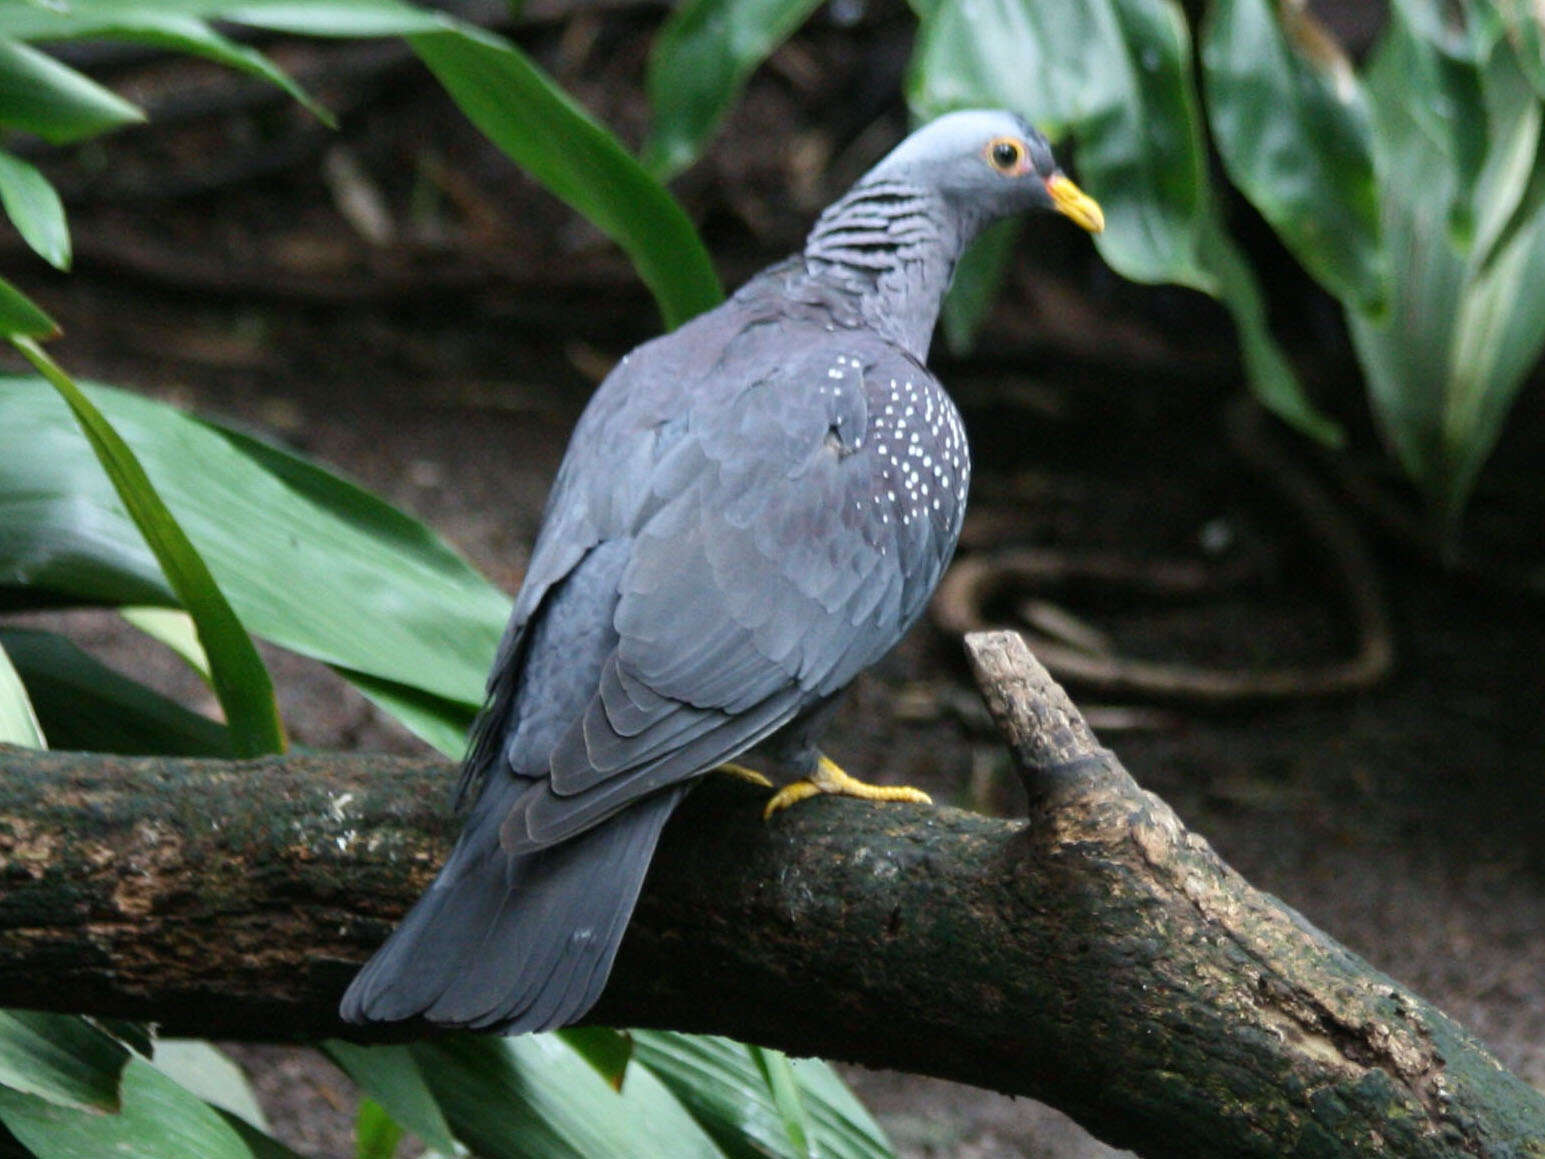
[(989, 164)]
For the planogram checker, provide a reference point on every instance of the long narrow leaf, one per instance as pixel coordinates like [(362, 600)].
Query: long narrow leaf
[(698, 65), (241, 681), (18, 720), (35, 209), (784, 1089), (39, 95), (178, 32), (19, 315), (538, 126)]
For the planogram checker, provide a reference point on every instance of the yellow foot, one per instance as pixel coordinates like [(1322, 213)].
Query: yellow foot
[(828, 778), (745, 774)]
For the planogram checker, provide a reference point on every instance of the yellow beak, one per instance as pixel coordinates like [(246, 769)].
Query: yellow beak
[(1075, 203)]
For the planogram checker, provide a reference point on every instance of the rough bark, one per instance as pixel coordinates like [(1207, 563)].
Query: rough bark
[(1099, 957)]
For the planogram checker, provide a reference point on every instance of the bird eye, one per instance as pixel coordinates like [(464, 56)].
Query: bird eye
[(1005, 154)]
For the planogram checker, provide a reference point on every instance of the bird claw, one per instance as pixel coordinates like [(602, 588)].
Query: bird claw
[(745, 774), (829, 778)]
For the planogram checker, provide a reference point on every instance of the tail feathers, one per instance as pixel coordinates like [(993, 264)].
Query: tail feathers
[(514, 943)]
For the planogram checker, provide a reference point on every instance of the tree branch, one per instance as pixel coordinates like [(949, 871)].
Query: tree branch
[(1101, 957)]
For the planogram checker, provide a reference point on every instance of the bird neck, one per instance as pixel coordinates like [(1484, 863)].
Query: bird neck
[(892, 247)]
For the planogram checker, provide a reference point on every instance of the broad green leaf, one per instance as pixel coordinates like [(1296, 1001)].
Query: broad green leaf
[(698, 65), (39, 95), (978, 278), (538, 126), (240, 680), (778, 1074), (308, 560), (18, 721), (60, 1059), (608, 1050), (534, 1097), (1291, 123), (174, 628), (391, 1077), (34, 209), (204, 1070), (1440, 91), (18, 314), (1113, 73), (376, 1134), (86, 706), (719, 1084), (157, 1119), (1464, 330)]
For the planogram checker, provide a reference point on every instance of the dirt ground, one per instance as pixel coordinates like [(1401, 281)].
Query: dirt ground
[(1404, 819)]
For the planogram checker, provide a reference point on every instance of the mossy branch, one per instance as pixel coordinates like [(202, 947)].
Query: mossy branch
[(1098, 956)]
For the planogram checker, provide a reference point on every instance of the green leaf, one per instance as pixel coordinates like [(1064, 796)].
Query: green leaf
[(534, 1097), (1463, 330), (35, 209), (240, 680), (605, 1049), (157, 1119), (208, 1072), (978, 278), (18, 314), (699, 63), (174, 31), (174, 628), (440, 723), (18, 721), (86, 706), (390, 1076), (784, 1089), (538, 126), (39, 95), (718, 1083), (376, 1135), (1291, 123), (308, 560), (60, 1059), (1113, 73)]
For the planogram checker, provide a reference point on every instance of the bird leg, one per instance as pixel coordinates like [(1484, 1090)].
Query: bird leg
[(744, 774), (829, 778)]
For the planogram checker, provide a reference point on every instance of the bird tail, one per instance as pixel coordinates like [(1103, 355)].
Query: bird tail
[(513, 943)]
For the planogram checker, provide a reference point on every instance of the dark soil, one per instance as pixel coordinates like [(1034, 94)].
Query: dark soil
[(444, 369)]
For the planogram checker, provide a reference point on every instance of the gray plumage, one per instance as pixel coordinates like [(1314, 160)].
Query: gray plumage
[(751, 511)]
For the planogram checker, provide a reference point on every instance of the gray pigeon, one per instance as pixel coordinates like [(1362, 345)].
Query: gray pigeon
[(752, 510)]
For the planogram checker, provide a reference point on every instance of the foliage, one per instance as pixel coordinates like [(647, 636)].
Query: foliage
[(106, 498), (1413, 192)]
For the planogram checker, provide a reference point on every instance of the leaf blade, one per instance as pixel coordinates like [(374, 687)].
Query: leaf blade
[(240, 678), (35, 210)]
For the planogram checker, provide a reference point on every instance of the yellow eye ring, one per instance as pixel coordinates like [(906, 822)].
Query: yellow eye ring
[(1006, 155)]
